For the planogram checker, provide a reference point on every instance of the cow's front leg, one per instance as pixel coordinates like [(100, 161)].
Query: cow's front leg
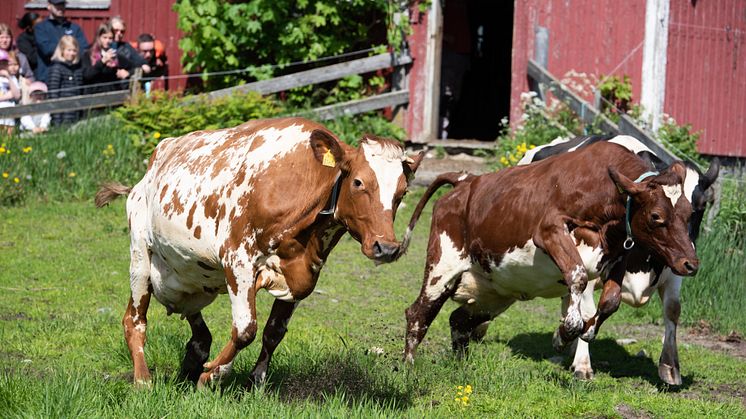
[(240, 282), (274, 331), (197, 349), (611, 297), (581, 363), (668, 365), (555, 239)]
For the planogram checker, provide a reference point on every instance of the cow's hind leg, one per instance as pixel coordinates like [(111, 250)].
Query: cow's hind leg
[(668, 365), (482, 304), (135, 316), (441, 276), (197, 349), (241, 290), (274, 331)]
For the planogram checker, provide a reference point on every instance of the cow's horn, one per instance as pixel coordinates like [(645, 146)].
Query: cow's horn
[(408, 159)]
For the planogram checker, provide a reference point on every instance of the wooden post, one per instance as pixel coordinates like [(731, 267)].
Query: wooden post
[(135, 84)]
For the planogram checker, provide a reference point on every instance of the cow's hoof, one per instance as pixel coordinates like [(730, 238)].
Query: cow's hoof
[(257, 378), (144, 384), (583, 374), (477, 335), (558, 344), (669, 374), (589, 335)]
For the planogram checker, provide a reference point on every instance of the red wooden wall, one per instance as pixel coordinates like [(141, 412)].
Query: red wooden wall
[(706, 72), (151, 16), (706, 60), (587, 36)]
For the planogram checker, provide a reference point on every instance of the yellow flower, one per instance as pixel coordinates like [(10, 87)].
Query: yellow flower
[(504, 161), (5, 175), (16, 180), (27, 149), (2, 150), (157, 135), (71, 174), (109, 151), (532, 147), (468, 389)]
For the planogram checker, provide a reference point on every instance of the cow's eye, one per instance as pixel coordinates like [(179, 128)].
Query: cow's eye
[(656, 218), (357, 183)]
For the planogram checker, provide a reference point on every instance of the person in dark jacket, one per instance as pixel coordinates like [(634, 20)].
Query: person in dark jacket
[(65, 77), (48, 34), (124, 49), (25, 41), (103, 69)]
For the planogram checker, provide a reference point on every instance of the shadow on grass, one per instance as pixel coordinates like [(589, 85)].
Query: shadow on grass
[(607, 356), (351, 377)]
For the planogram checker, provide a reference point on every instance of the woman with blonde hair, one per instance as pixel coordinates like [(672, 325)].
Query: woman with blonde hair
[(6, 44), (65, 77)]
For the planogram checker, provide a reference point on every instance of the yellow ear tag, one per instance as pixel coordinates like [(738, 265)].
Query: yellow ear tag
[(329, 159)]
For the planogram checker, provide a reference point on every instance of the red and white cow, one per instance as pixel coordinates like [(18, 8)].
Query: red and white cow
[(540, 231), (256, 206), (645, 274)]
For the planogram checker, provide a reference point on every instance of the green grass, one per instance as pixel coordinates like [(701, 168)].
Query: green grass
[(64, 285)]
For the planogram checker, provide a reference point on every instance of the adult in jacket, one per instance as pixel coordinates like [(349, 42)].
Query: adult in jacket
[(49, 32)]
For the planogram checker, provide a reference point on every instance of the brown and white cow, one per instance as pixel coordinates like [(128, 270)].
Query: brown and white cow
[(645, 274), (256, 206), (540, 231)]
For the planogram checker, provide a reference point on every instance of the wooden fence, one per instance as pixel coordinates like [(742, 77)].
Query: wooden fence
[(589, 114), (264, 87)]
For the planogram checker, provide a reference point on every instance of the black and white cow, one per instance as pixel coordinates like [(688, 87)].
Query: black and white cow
[(645, 275)]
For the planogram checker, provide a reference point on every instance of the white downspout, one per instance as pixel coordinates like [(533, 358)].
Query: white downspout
[(654, 57)]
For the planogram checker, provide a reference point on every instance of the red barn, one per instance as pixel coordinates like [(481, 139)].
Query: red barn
[(141, 16), (686, 58)]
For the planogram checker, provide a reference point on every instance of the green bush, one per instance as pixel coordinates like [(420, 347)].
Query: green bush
[(681, 140), (166, 115)]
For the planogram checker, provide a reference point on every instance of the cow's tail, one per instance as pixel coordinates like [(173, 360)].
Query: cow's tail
[(451, 178), (110, 191)]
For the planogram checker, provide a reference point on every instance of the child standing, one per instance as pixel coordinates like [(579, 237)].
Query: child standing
[(39, 122), (10, 92), (65, 77)]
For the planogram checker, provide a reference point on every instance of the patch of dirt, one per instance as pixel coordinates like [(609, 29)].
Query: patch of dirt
[(628, 412), (14, 316), (432, 166), (702, 334), (718, 393)]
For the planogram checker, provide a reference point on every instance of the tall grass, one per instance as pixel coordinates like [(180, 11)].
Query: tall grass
[(67, 163), (718, 291)]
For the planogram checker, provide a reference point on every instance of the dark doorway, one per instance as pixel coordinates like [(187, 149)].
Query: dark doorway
[(475, 68)]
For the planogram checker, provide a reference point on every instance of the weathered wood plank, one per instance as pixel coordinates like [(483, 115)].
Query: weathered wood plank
[(588, 113), (317, 75), (353, 107), (75, 103)]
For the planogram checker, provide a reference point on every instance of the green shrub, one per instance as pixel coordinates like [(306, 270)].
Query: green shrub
[(351, 129), (166, 115), (681, 140)]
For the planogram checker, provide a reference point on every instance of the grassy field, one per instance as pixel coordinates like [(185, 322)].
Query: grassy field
[(64, 286)]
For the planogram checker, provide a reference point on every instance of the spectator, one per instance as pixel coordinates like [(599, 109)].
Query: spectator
[(102, 68), (155, 58), (25, 41), (9, 90), (125, 51), (39, 122), (6, 44), (65, 77), (48, 34)]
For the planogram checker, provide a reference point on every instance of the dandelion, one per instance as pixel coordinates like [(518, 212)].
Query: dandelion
[(16, 180), (26, 149), (156, 135), (2, 150), (503, 161), (71, 174), (5, 175), (61, 155), (463, 395)]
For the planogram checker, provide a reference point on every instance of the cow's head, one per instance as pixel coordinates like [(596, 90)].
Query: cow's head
[(374, 181), (697, 190), (660, 215)]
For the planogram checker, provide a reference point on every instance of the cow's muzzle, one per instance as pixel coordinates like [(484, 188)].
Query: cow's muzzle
[(686, 266), (385, 252)]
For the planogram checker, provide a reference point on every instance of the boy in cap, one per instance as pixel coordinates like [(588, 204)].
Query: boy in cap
[(39, 122)]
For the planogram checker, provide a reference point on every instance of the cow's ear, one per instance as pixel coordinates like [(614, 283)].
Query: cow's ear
[(679, 169), (712, 174), (623, 183), (326, 148), (411, 164)]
